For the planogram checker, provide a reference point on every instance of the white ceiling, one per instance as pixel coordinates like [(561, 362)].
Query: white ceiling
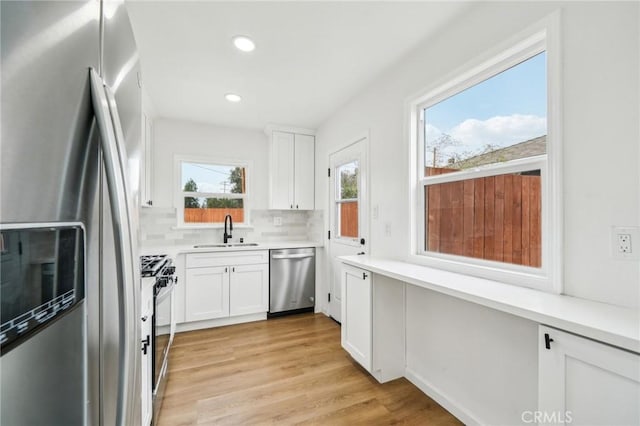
[(311, 57)]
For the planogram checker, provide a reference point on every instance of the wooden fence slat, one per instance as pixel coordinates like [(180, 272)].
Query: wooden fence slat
[(489, 218), (468, 193), (499, 219), (433, 214), (446, 219), (507, 254), (526, 219), (535, 231), (516, 221), (457, 213), (478, 218)]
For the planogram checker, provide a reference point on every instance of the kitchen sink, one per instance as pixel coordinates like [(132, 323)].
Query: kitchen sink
[(226, 245)]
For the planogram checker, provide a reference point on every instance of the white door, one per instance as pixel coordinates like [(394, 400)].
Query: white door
[(207, 293), (348, 213), (249, 289), (583, 382)]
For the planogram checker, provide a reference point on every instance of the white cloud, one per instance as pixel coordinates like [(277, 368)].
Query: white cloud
[(431, 133), (499, 130), (210, 187)]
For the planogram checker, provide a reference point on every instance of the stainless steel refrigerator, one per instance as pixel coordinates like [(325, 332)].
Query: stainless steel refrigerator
[(70, 148)]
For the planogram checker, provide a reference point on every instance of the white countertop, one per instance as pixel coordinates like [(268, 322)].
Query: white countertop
[(616, 325), (173, 250)]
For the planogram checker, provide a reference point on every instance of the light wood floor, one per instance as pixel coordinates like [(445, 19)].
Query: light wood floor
[(283, 371)]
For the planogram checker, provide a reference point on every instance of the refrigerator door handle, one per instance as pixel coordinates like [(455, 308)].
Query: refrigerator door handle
[(124, 250)]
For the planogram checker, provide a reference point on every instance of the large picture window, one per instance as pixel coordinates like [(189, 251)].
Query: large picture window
[(209, 191), (483, 153)]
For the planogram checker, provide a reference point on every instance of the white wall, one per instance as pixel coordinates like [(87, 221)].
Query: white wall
[(601, 93), (173, 137)]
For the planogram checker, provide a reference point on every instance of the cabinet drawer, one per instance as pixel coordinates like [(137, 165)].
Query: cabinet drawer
[(225, 258)]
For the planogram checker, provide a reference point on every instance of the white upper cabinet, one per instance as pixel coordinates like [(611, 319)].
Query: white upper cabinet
[(291, 170), (303, 167), (282, 148)]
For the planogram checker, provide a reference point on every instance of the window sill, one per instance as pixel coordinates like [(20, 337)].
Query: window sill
[(215, 226), (615, 325)]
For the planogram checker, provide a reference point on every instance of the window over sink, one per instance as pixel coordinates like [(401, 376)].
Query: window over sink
[(209, 190)]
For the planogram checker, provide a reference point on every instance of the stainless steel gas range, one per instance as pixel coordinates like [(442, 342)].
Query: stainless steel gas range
[(160, 270)]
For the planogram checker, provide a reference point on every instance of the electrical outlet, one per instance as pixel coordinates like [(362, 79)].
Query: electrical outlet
[(277, 221), (624, 242), (387, 229)]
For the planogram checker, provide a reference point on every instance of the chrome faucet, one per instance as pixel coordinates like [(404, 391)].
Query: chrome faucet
[(227, 235)]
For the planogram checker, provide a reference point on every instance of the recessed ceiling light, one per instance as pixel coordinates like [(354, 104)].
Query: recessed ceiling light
[(244, 43), (232, 97)]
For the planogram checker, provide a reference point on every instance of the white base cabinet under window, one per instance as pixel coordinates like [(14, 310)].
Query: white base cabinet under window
[(223, 284), (207, 293), (584, 382), (372, 329)]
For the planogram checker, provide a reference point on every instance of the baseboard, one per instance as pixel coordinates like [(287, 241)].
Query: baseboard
[(441, 398), (219, 322)]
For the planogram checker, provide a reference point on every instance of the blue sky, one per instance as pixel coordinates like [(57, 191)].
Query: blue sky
[(209, 178), (508, 108)]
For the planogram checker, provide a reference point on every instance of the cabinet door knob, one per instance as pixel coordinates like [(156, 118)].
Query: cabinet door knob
[(225, 269), (364, 275), (296, 206), (547, 341)]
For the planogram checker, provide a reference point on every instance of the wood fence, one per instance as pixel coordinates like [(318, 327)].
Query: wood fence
[(349, 219), (495, 218), (212, 215)]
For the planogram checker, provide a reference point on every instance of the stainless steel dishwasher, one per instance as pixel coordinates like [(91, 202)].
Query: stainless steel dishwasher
[(292, 280)]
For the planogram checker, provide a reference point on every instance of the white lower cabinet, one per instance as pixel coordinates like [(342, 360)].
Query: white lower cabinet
[(249, 289), (236, 288), (146, 360), (207, 293), (357, 306), (373, 322), (584, 382)]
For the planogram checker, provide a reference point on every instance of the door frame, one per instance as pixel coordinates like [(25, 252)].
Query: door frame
[(366, 203)]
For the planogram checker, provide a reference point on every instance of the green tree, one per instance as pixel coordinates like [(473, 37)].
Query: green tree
[(191, 202), (236, 180), (349, 183), (217, 203)]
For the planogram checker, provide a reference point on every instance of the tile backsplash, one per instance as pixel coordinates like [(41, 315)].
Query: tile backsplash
[(158, 227)]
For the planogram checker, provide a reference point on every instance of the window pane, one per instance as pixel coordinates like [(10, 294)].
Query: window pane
[(348, 182), (348, 216), (213, 178), (500, 119), (494, 218), (213, 210)]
